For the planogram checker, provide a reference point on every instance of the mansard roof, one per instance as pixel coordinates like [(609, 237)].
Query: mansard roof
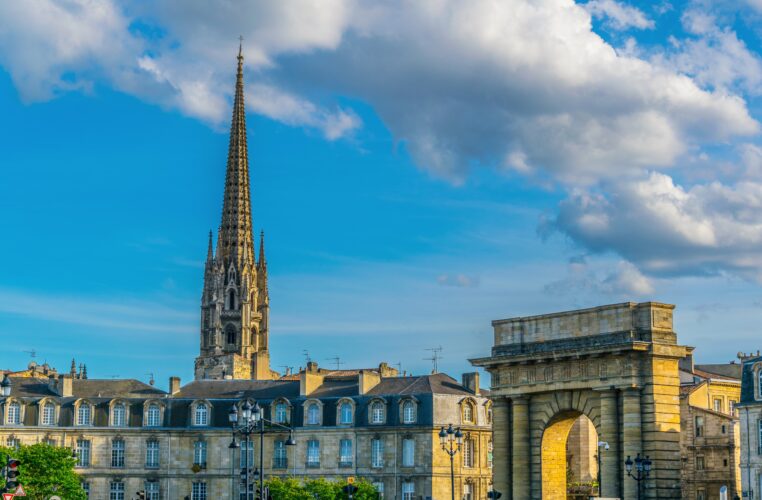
[(724, 370), (26, 387), (236, 389), (747, 380)]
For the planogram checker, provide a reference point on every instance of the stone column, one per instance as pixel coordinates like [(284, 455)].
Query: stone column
[(631, 437), (610, 462), (501, 447), (521, 449)]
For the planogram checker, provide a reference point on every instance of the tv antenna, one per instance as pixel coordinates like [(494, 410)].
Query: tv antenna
[(398, 364), (32, 353), (336, 360), (306, 355), (151, 380), (435, 357)]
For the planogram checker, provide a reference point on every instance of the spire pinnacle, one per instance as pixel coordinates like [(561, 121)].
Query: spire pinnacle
[(209, 251), (262, 262)]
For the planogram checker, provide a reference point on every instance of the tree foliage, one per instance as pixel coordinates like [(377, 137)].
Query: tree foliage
[(45, 471), (318, 489)]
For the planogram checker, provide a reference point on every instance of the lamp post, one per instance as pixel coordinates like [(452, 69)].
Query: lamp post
[(642, 469), (252, 421), (605, 446), (451, 441)]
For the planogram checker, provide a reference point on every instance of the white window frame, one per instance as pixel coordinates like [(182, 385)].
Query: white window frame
[(377, 412), (118, 453), (280, 455), (84, 450), (13, 413), (408, 490), (153, 489), (345, 452), (84, 414), (313, 453), (198, 490), (153, 453), (199, 453), (468, 453), (201, 415), (379, 485), (153, 415), (118, 420), (48, 413), (246, 454), (409, 412), (468, 491), (313, 413), (281, 412), (116, 490), (346, 413)]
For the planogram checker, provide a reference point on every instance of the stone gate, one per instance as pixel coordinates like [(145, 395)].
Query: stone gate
[(615, 364)]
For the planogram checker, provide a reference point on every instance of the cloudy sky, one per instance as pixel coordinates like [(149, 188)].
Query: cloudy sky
[(419, 168)]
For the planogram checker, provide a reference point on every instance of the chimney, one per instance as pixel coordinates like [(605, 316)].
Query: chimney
[(471, 382), (174, 385), (62, 386), (309, 379), (686, 363), (367, 380)]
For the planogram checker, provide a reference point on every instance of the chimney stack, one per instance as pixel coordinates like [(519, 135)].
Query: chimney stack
[(367, 380), (174, 385), (471, 382), (62, 386)]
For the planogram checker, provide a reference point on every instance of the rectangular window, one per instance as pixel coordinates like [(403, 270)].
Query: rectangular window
[(345, 453), (468, 491), (280, 457), (468, 453), (759, 447), (152, 454), (86, 488), (313, 453), (48, 414), (116, 491), (247, 454), (408, 452), (83, 453), (717, 404), (408, 490), (117, 415), (700, 495), (199, 491), (732, 406), (699, 463), (152, 490), (13, 442), (117, 453), (380, 489), (14, 413), (489, 454), (699, 426), (376, 453), (199, 453)]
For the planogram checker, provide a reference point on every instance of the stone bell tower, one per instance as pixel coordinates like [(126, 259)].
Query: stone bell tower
[(235, 302)]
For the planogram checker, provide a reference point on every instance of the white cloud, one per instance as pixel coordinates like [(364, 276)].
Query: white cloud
[(715, 58), (666, 229), (518, 85), (623, 282), (618, 15), (458, 280)]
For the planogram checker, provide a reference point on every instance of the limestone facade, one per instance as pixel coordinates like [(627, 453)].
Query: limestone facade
[(750, 413), (618, 366), (710, 437), (131, 436)]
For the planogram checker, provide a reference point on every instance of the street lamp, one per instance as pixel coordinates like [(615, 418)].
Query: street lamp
[(251, 422), (605, 446), (642, 469), (5, 386), (451, 441)]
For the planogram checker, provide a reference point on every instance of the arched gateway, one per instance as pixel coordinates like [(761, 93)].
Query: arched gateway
[(615, 365)]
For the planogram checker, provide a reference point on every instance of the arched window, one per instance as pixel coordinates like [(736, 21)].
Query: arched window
[(117, 415), (313, 414), (153, 415), (489, 414), (377, 413), (201, 415), (14, 414), (468, 412), (231, 299), (230, 335), (281, 413), (83, 414), (760, 383), (48, 414), (345, 411), (408, 412)]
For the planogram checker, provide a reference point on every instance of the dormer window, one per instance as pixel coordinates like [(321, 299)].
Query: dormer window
[(118, 412), (153, 415), (759, 383), (84, 414), (281, 413), (377, 412), (201, 414), (48, 413), (13, 416), (408, 412), (346, 413), (313, 414), (468, 412)]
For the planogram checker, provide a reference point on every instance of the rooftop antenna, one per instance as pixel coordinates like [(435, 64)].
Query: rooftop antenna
[(151, 380), (306, 355), (435, 357), (32, 353), (399, 367), (336, 360), (114, 376)]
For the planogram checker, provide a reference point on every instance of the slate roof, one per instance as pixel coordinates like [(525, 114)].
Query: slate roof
[(30, 387), (747, 380), (236, 389), (724, 370)]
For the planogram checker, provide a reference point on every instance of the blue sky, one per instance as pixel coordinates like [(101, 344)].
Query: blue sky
[(419, 170)]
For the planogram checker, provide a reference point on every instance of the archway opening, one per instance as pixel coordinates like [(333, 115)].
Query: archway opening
[(569, 461)]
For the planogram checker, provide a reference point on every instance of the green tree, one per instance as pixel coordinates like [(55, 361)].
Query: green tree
[(320, 489), (287, 489), (45, 471)]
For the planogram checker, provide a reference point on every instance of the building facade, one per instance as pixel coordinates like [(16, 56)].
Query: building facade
[(130, 436), (750, 413), (710, 433)]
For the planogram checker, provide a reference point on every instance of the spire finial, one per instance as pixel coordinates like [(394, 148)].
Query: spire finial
[(262, 261), (240, 47), (209, 251)]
